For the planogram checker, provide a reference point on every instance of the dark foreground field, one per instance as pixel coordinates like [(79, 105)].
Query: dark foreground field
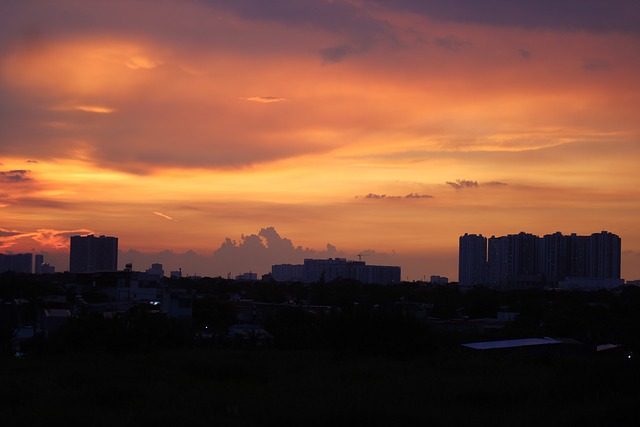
[(198, 387)]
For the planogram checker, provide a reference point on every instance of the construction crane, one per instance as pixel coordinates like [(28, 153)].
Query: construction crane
[(361, 255)]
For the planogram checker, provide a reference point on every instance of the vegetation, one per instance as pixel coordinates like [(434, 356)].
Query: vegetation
[(307, 387), (366, 361)]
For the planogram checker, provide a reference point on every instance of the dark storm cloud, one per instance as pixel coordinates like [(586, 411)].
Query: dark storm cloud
[(338, 16), (362, 30), (14, 176), (586, 15)]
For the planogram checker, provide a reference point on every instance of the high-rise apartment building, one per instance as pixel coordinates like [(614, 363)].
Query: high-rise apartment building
[(525, 260), (472, 262), (90, 253), (604, 254), (513, 258), (38, 264), (18, 263)]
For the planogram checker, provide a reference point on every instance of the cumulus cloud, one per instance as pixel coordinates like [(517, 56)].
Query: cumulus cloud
[(258, 252), (460, 184)]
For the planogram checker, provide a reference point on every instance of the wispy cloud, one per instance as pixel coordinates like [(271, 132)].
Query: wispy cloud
[(160, 214), (494, 184), (8, 233), (99, 109), (461, 184), (452, 43), (595, 64), (264, 99), (45, 237), (340, 52), (384, 196)]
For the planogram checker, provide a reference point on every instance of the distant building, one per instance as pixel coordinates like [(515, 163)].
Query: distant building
[(604, 254), (155, 271), (472, 263), (19, 263), (440, 280), (38, 265), (47, 269), (287, 272), (327, 270), (594, 256), (514, 261), (248, 277), (91, 254), (523, 260)]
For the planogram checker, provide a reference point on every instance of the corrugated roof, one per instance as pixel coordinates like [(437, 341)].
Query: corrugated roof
[(603, 347), (489, 345)]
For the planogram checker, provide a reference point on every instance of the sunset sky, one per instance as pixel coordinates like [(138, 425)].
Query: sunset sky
[(379, 127)]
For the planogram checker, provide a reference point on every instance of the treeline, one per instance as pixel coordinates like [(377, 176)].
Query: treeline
[(400, 321)]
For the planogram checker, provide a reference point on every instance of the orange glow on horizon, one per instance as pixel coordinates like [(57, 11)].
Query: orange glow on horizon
[(389, 130)]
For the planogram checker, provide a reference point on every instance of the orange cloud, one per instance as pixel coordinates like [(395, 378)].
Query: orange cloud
[(138, 110), (264, 99)]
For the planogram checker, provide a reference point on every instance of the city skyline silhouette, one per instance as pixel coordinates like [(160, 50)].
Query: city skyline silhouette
[(389, 127)]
